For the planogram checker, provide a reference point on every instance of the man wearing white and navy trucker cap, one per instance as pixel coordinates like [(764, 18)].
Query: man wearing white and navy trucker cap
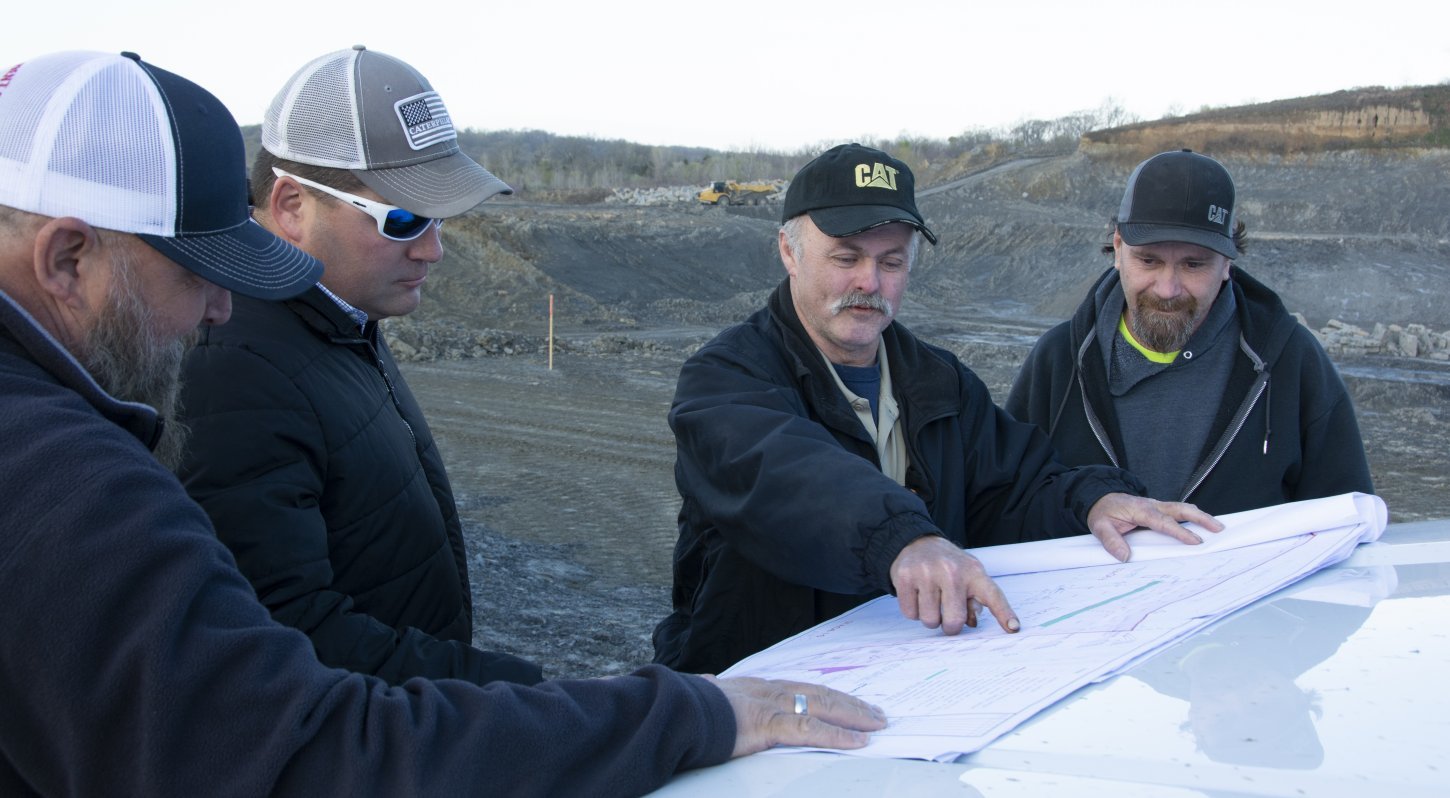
[(322, 476), (1184, 369), (136, 659), (160, 159), (93, 146)]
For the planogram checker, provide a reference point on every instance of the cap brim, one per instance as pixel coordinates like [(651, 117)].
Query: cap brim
[(1141, 234), (848, 220), (438, 189), (246, 259)]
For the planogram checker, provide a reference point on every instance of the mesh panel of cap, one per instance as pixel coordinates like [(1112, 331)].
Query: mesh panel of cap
[(18, 124), (313, 119), (132, 108), (89, 141)]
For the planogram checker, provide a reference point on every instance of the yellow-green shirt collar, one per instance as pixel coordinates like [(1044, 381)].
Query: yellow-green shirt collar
[(1156, 357)]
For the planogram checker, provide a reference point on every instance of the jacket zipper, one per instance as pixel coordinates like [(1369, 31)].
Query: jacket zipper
[(1092, 418), (1261, 384), (387, 381)]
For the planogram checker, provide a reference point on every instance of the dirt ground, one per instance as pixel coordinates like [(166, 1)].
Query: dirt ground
[(564, 479)]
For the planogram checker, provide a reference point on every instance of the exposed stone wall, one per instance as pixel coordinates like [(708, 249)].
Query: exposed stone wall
[(1295, 131), (1411, 340)]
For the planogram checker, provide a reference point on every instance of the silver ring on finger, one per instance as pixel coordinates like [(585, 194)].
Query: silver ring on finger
[(802, 707)]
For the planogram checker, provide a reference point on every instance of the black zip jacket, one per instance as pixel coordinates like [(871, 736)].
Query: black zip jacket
[(1285, 431), (786, 519), (319, 472)]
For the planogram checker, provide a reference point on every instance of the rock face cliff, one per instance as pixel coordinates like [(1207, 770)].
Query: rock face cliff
[(1365, 118), (1357, 235)]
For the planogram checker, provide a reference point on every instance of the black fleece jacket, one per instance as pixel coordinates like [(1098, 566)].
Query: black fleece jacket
[(1285, 431), (138, 661), (787, 520)]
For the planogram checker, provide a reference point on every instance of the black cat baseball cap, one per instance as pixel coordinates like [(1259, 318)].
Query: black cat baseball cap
[(849, 189), (1179, 196)]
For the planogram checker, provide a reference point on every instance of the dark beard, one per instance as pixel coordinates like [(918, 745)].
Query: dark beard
[(131, 364), (1164, 325)]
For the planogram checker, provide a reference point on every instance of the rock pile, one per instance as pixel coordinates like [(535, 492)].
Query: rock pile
[(1411, 340), (673, 195), (663, 195), (427, 341)]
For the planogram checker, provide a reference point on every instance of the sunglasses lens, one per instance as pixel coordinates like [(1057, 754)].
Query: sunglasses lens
[(403, 224)]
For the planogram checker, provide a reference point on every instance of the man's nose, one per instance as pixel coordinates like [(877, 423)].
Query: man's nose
[(868, 277), (1168, 286), (428, 247), (218, 306)]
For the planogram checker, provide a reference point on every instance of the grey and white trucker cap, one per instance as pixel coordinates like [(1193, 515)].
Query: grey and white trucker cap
[(376, 116)]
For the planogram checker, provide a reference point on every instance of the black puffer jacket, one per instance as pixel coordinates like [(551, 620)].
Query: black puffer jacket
[(787, 520), (318, 470), (1285, 431)]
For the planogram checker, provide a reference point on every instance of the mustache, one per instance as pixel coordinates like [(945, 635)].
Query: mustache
[(1175, 305), (861, 299)]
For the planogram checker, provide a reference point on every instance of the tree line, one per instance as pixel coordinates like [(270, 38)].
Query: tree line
[(535, 160)]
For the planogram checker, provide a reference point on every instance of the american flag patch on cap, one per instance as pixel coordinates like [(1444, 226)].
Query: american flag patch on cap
[(425, 120)]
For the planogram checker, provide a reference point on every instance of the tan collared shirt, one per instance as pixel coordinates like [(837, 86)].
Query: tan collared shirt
[(885, 429)]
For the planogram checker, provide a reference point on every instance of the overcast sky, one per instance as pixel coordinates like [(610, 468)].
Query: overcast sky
[(777, 74)]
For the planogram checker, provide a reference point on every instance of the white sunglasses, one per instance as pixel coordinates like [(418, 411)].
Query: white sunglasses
[(394, 223)]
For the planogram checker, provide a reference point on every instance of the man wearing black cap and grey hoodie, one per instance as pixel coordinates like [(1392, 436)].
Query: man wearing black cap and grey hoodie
[(1182, 368), (826, 456)]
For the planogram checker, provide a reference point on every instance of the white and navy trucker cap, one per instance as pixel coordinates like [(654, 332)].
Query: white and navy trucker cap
[(125, 146), (376, 116)]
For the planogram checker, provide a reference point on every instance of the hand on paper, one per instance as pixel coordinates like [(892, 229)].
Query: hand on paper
[(940, 584), (1119, 513), (765, 715)]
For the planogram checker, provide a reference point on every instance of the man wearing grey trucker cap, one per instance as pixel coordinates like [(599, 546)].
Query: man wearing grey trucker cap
[(826, 455), (309, 452), (1182, 368), (136, 658)]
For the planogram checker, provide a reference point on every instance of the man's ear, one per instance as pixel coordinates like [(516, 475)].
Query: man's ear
[(786, 256), (288, 209), (68, 260)]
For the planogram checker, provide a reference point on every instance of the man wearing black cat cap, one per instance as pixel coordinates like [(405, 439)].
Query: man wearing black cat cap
[(826, 456), (1182, 368)]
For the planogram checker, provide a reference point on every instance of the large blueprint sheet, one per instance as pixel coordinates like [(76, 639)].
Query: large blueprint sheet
[(947, 696)]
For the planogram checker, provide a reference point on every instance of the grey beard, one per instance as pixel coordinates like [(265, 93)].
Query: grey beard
[(860, 299), (132, 365), (1164, 326)]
